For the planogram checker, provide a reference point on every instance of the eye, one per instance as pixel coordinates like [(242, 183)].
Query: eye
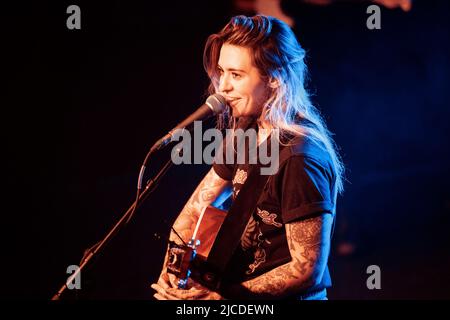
[(235, 75)]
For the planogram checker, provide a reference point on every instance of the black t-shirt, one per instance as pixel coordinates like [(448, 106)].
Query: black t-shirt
[(303, 187)]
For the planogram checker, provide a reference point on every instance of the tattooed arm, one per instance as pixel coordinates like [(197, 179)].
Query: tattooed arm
[(206, 192), (309, 245)]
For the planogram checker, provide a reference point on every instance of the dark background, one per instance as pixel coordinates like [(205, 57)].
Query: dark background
[(82, 107)]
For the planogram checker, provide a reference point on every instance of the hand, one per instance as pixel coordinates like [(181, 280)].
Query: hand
[(196, 292), (167, 280)]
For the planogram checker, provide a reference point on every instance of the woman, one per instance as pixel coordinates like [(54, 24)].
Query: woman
[(258, 66)]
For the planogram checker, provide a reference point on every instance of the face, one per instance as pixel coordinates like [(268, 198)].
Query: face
[(240, 81)]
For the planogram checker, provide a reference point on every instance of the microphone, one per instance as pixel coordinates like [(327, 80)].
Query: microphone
[(215, 104)]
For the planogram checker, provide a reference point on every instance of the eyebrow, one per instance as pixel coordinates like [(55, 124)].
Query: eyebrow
[(232, 69)]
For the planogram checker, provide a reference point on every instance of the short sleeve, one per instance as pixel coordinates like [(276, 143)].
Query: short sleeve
[(224, 171), (306, 188)]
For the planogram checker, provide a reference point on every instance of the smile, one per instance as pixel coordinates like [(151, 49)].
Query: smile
[(232, 102)]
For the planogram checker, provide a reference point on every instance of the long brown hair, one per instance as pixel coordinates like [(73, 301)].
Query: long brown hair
[(280, 59)]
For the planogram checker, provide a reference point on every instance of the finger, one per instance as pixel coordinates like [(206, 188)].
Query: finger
[(159, 297), (155, 286), (163, 284), (178, 294), (163, 281), (174, 294), (173, 280), (196, 285), (200, 293), (213, 296), (164, 276), (191, 294), (159, 289)]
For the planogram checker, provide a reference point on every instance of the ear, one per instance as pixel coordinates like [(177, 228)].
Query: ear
[(274, 83)]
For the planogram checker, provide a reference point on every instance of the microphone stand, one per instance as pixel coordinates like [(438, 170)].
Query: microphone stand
[(94, 250), (140, 197)]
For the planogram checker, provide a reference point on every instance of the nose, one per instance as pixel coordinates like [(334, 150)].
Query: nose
[(224, 84)]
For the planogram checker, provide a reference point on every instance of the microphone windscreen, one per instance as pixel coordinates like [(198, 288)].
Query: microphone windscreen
[(216, 102)]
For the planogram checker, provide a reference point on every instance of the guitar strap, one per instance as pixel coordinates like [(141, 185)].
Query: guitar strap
[(234, 225)]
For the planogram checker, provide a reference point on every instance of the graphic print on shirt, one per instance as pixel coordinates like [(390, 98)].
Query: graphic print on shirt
[(252, 238), (239, 178), (260, 257), (249, 238), (268, 218)]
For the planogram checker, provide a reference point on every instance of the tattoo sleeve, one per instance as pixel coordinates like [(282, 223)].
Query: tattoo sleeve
[(207, 191), (309, 243)]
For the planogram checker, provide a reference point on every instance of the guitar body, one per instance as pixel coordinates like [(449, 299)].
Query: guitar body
[(208, 227), (184, 264), (206, 232)]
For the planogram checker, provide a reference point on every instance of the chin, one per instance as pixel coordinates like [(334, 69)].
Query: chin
[(235, 113)]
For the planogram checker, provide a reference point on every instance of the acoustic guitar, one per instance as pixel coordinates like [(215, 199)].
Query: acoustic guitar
[(207, 228), (189, 261)]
